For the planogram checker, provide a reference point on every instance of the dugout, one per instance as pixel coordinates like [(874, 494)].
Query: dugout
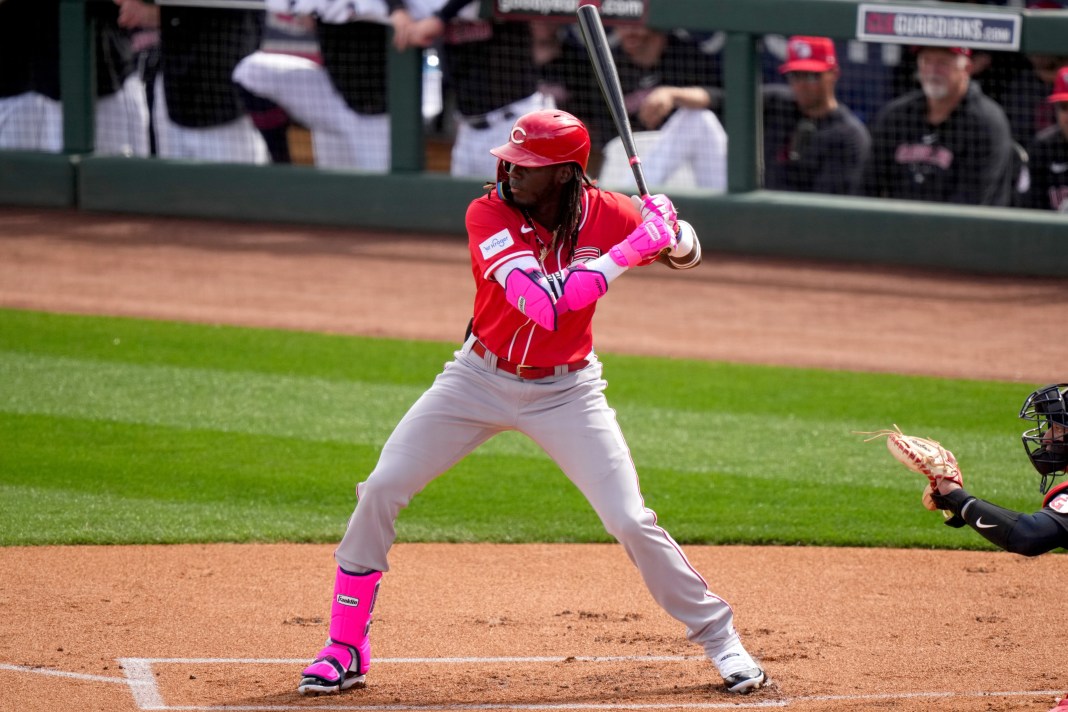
[(744, 220)]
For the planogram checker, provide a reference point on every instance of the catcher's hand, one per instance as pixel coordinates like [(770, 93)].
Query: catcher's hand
[(924, 456)]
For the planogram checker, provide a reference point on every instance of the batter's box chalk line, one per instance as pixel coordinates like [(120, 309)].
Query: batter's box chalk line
[(140, 679)]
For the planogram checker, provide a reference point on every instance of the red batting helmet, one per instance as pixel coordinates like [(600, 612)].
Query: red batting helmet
[(546, 138)]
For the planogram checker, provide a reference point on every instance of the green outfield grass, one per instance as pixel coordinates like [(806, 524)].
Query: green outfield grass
[(133, 431)]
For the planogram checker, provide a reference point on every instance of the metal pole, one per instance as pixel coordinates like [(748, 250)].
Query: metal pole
[(77, 76), (742, 117)]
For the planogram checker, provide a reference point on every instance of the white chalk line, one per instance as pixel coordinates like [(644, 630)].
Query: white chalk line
[(464, 708), (146, 693), (438, 661), (737, 705), (141, 680)]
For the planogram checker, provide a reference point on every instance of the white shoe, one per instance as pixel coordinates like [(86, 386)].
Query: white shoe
[(740, 672)]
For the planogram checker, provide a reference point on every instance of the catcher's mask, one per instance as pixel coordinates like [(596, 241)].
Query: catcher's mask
[(544, 138), (1046, 444)]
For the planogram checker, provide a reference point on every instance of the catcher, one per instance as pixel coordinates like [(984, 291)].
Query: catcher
[(1046, 445)]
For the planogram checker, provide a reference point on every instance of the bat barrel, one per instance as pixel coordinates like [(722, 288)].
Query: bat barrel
[(604, 67)]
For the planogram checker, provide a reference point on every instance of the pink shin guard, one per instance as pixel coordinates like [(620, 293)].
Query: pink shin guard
[(347, 654)]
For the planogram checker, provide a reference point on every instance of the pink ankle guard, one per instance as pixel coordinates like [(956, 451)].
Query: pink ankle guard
[(350, 621)]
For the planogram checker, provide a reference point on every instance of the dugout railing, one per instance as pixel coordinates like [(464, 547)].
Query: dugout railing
[(746, 220)]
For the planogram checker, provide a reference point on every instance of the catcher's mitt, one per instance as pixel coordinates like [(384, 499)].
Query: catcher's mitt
[(922, 455)]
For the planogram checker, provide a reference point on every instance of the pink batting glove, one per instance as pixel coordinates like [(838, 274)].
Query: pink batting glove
[(646, 242), (661, 206), (658, 205)]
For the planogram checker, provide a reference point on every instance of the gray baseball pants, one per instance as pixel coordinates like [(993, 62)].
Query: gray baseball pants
[(567, 416)]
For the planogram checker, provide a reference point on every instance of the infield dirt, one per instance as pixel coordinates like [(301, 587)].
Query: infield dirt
[(86, 628)]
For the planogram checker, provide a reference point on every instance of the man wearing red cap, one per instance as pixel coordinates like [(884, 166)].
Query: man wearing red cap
[(812, 143), (1048, 156), (946, 142), (545, 243)]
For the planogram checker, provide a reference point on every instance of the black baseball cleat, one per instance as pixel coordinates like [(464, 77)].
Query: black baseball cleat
[(315, 685), (328, 675), (740, 672), (745, 681)]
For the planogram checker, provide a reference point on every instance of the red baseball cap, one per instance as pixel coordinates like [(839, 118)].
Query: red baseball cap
[(1060, 87), (809, 54)]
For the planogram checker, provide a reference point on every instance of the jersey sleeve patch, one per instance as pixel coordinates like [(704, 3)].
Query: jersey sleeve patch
[(496, 243), (1060, 503)]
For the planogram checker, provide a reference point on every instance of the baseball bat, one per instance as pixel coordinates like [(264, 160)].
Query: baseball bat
[(604, 66)]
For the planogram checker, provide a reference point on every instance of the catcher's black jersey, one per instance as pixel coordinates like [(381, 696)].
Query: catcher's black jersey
[(1017, 532), (823, 155), (1057, 500), (1048, 170), (1056, 506), (966, 159)]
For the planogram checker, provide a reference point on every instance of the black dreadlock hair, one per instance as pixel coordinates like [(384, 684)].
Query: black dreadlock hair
[(570, 214)]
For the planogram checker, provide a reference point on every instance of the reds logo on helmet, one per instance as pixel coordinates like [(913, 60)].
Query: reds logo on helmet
[(546, 138)]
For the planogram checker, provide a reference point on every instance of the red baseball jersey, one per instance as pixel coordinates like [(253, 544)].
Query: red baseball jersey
[(497, 232)]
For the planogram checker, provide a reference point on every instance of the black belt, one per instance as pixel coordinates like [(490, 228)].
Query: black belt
[(531, 373)]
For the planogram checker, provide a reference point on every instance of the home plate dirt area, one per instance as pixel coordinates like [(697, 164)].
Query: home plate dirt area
[(532, 626)]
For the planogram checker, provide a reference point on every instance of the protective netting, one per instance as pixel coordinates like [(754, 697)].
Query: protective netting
[(306, 81)]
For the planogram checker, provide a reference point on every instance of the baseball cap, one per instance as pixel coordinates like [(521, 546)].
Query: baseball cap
[(809, 54), (1060, 86)]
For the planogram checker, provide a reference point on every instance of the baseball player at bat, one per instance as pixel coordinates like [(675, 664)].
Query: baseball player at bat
[(545, 245)]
